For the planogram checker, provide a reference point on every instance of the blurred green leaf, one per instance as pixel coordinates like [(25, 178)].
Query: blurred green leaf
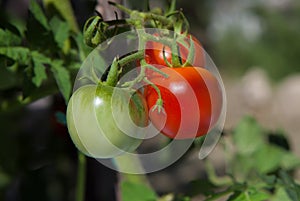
[(290, 161), (19, 54), (291, 188), (84, 50), (60, 30), (7, 38), (281, 195), (62, 77), (268, 158), (39, 68), (248, 136), (249, 195), (136, 192), (38, 13), (7, 78), (4, 179)]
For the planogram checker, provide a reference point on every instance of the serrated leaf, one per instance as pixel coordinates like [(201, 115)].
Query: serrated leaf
[(7, 38), (38, 13), (39, 68), (62, 78), (136, 192), (60, 30), (19, 54), (248, 136)]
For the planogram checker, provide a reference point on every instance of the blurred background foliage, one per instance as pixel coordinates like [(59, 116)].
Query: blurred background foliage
[(240, 35), (39, 162)]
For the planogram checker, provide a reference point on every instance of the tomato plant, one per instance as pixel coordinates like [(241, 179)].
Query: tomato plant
[(192, 101), (93, 127), (156, 53)]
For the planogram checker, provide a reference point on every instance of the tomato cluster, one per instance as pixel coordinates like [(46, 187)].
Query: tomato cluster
[(191, 95)]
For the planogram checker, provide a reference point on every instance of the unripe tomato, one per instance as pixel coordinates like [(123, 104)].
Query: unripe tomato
[(192, 102), (155, 52), (96, 114)]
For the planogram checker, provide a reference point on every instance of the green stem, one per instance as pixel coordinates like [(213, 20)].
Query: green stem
[(130, 58), (219, 181), (81, 177), (144, 15), (191, 54), (121, 7), (175, 54)]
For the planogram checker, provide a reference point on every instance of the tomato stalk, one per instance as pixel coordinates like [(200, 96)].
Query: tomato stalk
[(81, 171), (159, 102), (191, 54), (145, 16)]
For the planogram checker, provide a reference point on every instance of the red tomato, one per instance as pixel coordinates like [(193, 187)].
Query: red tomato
[(192, 102), (155, 52)]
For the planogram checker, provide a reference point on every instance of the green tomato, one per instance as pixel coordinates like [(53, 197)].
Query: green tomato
[(105, 121)]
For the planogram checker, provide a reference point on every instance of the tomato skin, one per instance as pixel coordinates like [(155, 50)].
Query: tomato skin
[(192, 101), (93, 127), (155, 51)]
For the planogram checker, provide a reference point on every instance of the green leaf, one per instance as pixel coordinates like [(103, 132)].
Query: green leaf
[(248, 136), (136, 192), (268, 158), (281, 195), (60, 30), (39, 68), (62, 77), (7, 38), (38, 13), (19, 24), (19, 54), (290, 161), (291, 188), (249, 195)]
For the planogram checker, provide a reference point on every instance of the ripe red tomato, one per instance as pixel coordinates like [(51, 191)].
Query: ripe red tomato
[(192, 102), (155, 52)]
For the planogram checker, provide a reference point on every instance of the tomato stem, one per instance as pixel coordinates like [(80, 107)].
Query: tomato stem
[(81, 177), (191, 54), (145, 16), (175, 54), (159, 102)]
